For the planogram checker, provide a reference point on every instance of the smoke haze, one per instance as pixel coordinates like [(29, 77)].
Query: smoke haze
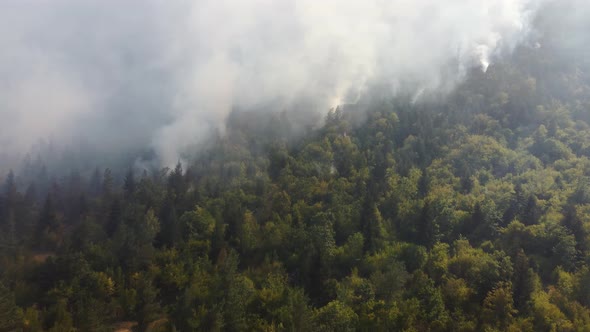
[(161, 75)]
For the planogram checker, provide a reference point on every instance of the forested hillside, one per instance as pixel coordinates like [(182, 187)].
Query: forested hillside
[(463, 212), (469, 214)]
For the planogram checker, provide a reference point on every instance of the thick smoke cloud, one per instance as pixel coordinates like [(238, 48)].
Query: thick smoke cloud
[(159, 74)]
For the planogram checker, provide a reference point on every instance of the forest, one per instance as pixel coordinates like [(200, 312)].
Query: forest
[(463, 212)]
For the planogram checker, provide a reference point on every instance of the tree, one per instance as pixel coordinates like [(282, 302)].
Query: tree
[(170, 233), (9, 187), (516, 207), (115, 217), (63, 321), (498, 306), (8, 309), (250, 237), (150, 227), (335, 317), (532, 212), (524, 282), (31, 321), (374, 232), (176, 184), (107, 184), (129, 184), (49, 224), (432, 307), (238, 291), (148, 306), (428, 231), (574, 223)]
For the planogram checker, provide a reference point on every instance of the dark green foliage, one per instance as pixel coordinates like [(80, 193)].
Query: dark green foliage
[(148, 307), (8, 309), (470, 213)]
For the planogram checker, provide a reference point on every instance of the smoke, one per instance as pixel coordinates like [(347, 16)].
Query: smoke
[(160, 74)]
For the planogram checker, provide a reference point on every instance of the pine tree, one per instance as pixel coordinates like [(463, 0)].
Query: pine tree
[(148, 306), (427, 229), (129, 185), (63, 318), (107, 184), (374, 232), (516, 207), (532, 211), (48, 223), (523, 282), (8, 309)]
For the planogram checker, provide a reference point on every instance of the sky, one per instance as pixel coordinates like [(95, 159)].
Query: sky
[(162, 75)]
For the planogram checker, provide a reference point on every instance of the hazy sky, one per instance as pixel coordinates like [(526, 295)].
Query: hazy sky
[(161, 74)]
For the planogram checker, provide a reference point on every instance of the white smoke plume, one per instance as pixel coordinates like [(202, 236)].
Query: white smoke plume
[(118, 74)]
